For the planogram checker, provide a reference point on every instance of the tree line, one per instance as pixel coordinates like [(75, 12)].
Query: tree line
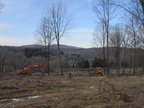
[(13, 58), (56, 22), (127, 34)]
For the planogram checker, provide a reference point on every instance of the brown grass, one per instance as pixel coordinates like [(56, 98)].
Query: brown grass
[(79, 91)]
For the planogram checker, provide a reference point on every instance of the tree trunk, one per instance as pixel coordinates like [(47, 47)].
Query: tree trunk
[(104, 58), (48, 69), (124, 60), (107, 52), (60, 60), (143, 60), (134, 59), (48, 60), (134, 64), (118, 60)]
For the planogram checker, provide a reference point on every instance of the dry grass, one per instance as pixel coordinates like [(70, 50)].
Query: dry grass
[(79, 91)]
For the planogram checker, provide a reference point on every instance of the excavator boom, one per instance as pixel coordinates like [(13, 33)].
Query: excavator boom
[(25, 71)]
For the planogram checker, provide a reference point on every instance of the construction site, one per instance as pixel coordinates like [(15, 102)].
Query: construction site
[(71, 90), (99, 65)]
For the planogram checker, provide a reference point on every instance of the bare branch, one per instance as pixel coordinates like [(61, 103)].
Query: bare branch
[(104, 11), (60, 23)]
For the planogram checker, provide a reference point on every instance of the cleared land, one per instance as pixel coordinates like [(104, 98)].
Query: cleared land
[(80, 91)]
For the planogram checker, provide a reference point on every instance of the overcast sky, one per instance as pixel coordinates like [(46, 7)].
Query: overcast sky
[(20, 18)]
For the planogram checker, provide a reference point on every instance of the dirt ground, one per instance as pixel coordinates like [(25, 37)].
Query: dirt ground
[(80, 91)]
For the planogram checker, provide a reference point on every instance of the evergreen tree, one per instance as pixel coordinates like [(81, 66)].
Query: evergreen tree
[(87, 64), (97, 62)]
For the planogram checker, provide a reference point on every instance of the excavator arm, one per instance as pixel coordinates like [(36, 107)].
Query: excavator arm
[(25, 71)]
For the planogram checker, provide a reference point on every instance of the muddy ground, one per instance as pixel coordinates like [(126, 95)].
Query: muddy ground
[(80, 91)]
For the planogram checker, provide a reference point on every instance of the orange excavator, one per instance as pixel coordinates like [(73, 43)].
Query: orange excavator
[(25, 71)]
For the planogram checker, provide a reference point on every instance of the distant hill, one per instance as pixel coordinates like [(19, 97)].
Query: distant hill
[(87, 53), (54, 46), (31, 46), (64, 46)]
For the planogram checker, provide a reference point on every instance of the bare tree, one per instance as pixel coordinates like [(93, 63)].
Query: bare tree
[(126, 43), (104, 11), (60, 23), (133, 33), (45, 37), (3, 59), (141, 40), (116, 42), (137, 12), (134, 25), (135, 9), (15, 60), (99, 36)]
